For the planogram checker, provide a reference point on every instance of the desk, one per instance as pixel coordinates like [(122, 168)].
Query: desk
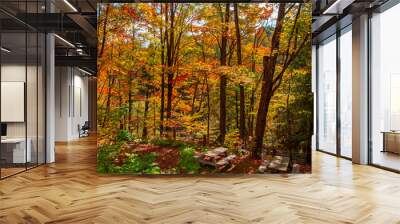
[(13, 150), (391, 141)]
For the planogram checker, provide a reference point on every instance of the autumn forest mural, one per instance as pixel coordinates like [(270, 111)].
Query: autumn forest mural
[(204, 88)]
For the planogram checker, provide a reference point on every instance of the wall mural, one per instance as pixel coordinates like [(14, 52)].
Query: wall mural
[(205, 88)]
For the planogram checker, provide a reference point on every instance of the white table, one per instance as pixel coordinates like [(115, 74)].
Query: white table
[(19, 155)]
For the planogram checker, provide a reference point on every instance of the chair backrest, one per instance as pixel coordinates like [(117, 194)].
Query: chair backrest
[(86, 125)]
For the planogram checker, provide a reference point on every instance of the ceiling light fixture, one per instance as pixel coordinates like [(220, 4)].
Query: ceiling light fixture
[(70, 5), (65, 41), (5, 50), (84, 71), (337, 7)]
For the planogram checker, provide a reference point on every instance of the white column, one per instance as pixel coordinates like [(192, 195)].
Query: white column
[(50, 100), (360, 90)]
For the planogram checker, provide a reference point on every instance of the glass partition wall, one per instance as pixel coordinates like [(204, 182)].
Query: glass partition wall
[(345, 62), (22, 88), (327, 95), (334, 88), (385, 89)]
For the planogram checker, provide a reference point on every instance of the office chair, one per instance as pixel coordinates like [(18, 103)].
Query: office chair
[(84, 130)]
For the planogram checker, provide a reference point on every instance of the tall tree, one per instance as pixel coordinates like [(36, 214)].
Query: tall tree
[(162, 40), (170, 60), (104, 34), (242, 121), (223, 78), (272, 78)]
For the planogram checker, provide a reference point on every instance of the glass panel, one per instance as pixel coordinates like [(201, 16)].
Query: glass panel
[(32, 87), (22, 88), (13, 87), (327, 95), (385, 84), (346, 93), (41, 99), (31, 97)]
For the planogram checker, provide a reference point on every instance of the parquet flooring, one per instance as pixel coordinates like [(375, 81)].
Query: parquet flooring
[(70, 191)]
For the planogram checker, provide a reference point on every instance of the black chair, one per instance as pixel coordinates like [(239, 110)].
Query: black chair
[(84, 130)]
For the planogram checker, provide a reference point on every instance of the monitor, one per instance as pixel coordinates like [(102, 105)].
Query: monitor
[(3, 129)]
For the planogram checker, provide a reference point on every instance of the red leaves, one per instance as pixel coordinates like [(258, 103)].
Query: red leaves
[(129, 10)]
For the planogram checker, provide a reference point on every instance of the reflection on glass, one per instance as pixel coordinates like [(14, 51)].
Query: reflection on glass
[(31, 99), (14, 147), (346, 93), (327, 95), (385, 84), (41, 99), (22, 90)]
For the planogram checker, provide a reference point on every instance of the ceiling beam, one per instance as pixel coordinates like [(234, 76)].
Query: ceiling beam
[(82, 61)]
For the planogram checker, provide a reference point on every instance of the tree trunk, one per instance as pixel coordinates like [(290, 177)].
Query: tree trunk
[(130, 87), (121, 119), (266, 94), (162, 98), (103, 42), (253, 91), (130, 101), (170, 63), (269, 63), (242, 123), (223, 79), (208, 112), (137, 118), (154, 118), (146, 109), (237, 109), (108, 104), (289, 124), (251, 117), (196, 86)]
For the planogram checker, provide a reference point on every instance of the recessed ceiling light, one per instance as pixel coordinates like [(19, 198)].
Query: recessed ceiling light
[(65, 41), (5, 50), (86, 72), (337, 7), (70, 5)]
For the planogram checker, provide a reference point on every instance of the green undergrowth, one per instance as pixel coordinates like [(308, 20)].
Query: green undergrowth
[(145, 164)]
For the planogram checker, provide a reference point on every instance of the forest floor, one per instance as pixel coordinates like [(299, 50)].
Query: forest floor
[(167, 158)]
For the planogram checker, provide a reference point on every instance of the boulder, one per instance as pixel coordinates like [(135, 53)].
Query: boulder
[(296, 168), (220, 150), (262, 168), (279, 163)]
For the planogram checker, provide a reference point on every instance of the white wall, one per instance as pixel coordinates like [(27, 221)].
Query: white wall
[(71, 102), (33, 127), (16, 73)]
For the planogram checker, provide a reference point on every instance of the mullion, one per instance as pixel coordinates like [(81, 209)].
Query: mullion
[(37, 90), (338, 93), (26, 86)]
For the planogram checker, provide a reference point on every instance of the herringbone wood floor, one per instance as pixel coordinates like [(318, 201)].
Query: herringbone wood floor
[(70, 191)]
